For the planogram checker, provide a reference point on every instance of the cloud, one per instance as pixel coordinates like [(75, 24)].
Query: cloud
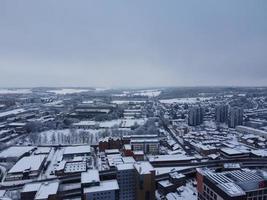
[(126, 43)]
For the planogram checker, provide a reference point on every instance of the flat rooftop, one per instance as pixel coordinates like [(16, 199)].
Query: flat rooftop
[(15, 151), (122, 167), (77, 150), (159, 158), (47, 189), (104, 186), (144, 167), (31, 163), (12, 112), (90, 176)]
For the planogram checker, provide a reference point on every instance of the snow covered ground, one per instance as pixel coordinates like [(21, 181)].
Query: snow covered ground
[(127, 101), (185, 100), (122, 123), (145, 93), (148, 93), (15, 91), (68, 91)]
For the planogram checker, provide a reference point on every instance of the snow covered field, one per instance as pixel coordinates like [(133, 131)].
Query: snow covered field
[(120, 123), (145, 93), (15, 91), (127, 101), (185, 100), (148, 93), (68, 91)]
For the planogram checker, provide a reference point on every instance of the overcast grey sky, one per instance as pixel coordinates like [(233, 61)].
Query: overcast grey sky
[(114, 43)]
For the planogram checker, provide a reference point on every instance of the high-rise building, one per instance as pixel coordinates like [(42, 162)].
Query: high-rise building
[(126, 181), (235, 117), (195, 116), (221, 113), (231, 185), (145, 181)]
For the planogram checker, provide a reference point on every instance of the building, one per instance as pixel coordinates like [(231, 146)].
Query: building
[(40, 191), (85, 125), (14, 153), (11, 113), (148, 146), (231, 185), (221, 113), (248, 130), (235, 117), (126, 181), (77, 165), (74, 151), (18, 127), (170, 185), (195, 116), (145, 181), (171, 159), (93, 188), (126, 139), (234, 153), (89, 110), (26, 168), (127, 150), (110, 143), (165, 187)]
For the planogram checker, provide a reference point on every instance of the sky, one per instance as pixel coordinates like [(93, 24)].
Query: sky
[(125, 43)]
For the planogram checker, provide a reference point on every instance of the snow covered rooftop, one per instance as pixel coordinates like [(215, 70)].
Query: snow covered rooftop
[(42, 150), (31, 163), (260, 152), (230, 151), (232, 189), (165, 183), (237, 182), (31, 187), (90, 176), (104, 186), (77, 149), (85, 123), (128, 159), (112, 151), (72, 167), (143, 167), (122, 167), (176, 175), (176, 157), (15, 151), (16, 124), (47, 189), (12, 112)]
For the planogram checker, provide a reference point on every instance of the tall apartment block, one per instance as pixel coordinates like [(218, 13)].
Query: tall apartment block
[(221, 113), (235, 117), (195, 116)]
